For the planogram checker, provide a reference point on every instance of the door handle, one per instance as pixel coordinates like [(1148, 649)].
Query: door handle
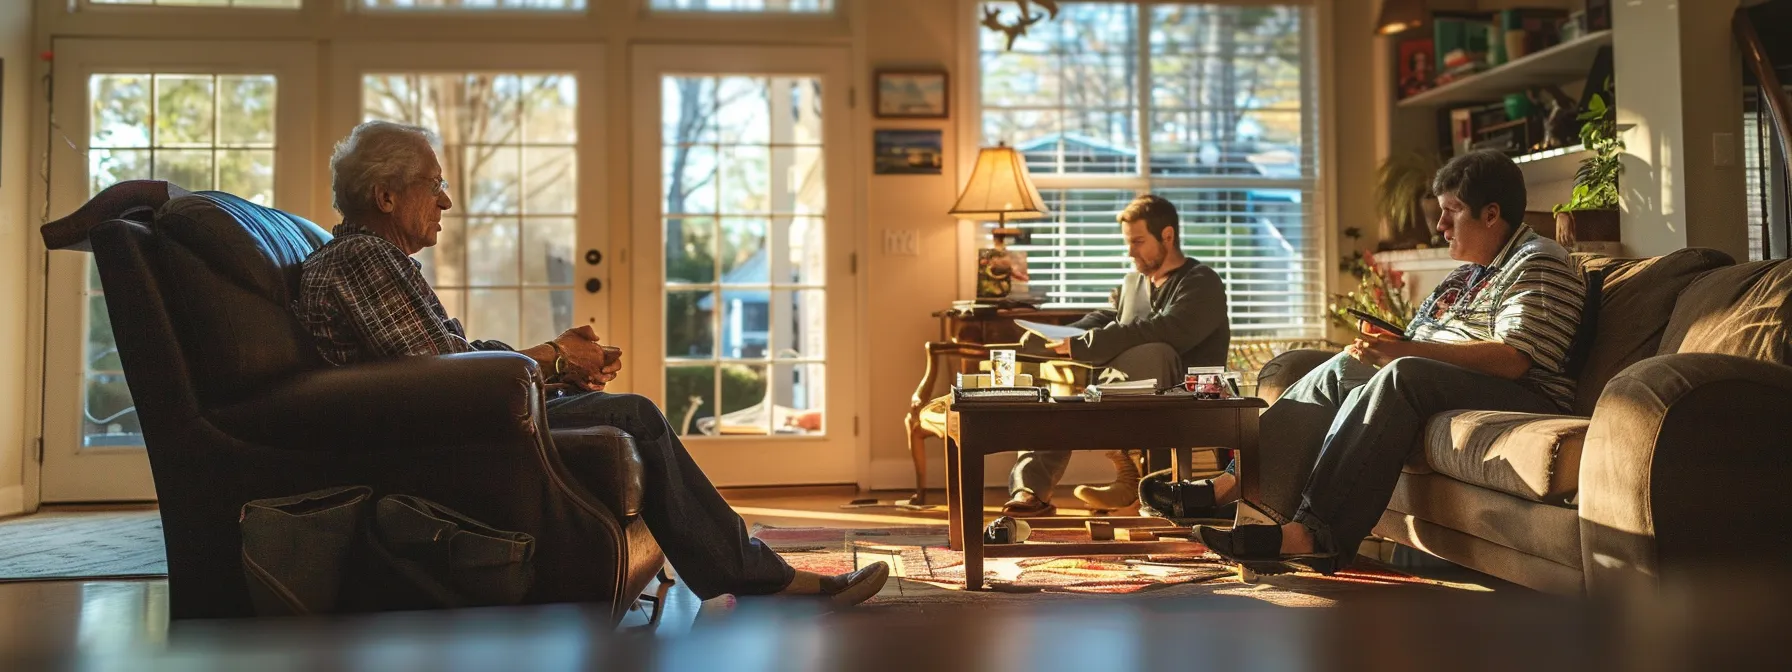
[(594, 257), (594, 285)]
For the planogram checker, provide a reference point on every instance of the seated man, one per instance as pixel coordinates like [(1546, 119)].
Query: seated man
[(1492, 337), (1171, 314), (363, 298)]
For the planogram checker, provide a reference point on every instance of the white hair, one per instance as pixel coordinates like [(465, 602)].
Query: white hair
[(376, 153)]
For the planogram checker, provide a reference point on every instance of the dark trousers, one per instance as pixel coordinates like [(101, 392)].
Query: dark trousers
[(705, 540), (1334, 443)]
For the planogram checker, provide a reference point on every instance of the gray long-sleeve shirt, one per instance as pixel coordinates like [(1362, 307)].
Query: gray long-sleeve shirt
[(1188, 312)]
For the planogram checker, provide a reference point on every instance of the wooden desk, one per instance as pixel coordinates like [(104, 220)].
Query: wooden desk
[(976, 430)]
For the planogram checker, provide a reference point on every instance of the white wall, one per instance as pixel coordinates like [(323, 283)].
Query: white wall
[(15, 225), (1678, 82)]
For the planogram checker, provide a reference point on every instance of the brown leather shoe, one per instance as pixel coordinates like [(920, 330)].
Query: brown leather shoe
[(1028, 508)]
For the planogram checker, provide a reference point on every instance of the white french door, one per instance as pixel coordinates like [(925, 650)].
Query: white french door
[(230, 116), (744, 302), (523, 255)]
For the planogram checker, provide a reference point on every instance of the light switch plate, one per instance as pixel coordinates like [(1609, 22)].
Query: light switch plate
[(902, 243)]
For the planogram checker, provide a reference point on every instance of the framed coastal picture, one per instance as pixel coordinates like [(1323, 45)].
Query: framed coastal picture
[(906, 152), (911, 94)]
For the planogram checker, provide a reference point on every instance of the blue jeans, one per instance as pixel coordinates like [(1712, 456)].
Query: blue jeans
[(703, 537), (1333, 444)]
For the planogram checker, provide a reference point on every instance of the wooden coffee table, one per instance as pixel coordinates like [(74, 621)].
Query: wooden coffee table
[(974, 430)]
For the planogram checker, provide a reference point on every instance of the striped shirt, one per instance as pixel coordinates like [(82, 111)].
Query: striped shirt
[(1529, 298)]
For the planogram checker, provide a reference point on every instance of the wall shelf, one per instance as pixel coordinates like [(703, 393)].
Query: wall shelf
[(1565, 62)]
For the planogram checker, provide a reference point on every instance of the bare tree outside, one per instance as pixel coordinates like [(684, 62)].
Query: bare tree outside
[(1227, 100), (503, 262)]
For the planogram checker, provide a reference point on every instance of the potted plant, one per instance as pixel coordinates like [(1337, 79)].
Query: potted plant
[(1592, 211), (1403, 199)]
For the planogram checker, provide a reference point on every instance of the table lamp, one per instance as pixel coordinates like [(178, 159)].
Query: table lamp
[(999, 189)]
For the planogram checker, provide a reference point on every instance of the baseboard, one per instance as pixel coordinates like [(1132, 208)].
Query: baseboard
[(12, 500)]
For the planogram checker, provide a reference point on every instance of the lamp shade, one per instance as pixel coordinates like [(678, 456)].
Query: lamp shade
[(1398, 16), (1000, 188)]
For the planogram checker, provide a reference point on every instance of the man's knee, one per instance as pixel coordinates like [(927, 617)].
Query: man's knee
[(1150, 360), (1152, 352), (1410, 374)]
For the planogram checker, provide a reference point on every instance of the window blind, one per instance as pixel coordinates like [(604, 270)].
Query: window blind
[(1230, 141)]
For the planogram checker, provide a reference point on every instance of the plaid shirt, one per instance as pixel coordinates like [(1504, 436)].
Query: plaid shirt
[(364, 299)]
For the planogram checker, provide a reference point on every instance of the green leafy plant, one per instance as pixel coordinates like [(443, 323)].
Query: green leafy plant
[(1401, 184), (1596, 181), (1379, 291)]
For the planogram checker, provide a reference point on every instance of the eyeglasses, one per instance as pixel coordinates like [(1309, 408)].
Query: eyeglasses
[(440, 185)]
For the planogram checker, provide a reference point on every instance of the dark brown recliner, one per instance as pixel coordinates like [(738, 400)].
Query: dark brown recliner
[(236, 404)]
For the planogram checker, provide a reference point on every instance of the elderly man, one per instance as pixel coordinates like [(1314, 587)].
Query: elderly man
[(363, 299), (1493, 336), (1170, 314)]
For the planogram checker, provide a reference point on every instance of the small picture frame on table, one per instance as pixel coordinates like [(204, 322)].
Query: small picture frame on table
[(911, 94)]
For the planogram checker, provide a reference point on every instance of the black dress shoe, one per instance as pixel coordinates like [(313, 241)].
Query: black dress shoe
[(1258, 547), (1181, 500)]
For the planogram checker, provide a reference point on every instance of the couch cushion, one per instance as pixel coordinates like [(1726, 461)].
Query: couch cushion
[(1536, 457), (1636, 302), (1741, 310)]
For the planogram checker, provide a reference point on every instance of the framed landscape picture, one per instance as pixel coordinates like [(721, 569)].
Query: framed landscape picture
[(909, 94), (906, 152)]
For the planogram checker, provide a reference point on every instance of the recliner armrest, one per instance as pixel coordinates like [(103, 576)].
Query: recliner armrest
[(460, 399), (1685, 468)]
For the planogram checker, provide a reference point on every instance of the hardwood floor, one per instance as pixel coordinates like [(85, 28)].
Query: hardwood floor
[(117, 616), (101, 617)]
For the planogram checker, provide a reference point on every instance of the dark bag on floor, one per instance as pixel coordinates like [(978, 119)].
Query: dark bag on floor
[(296, 548), (329, 551)]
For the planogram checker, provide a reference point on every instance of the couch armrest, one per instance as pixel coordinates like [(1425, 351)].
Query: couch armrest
[(1686, 467), (1281, 372), (461, 399)]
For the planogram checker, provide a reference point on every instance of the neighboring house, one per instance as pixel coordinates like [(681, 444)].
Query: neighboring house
[(746, 317)]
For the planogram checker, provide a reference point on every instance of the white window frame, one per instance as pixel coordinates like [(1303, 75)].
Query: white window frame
[(973, 235)]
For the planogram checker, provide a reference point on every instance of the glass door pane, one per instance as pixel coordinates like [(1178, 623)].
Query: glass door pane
[(198, 130), (503, 263), (744, 220)]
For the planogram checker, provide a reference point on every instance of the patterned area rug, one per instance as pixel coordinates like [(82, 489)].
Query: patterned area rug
[(98, 544), (927, 572)]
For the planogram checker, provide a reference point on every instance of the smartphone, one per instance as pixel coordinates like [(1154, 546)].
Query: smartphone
[(1378, 323)]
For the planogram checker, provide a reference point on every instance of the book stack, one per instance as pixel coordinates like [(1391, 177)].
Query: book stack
[(1130, 388)]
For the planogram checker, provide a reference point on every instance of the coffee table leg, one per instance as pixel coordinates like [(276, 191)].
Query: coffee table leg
[(970, 519), (954, 506)]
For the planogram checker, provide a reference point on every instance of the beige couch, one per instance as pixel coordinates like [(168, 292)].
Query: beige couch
[(1678, 457)]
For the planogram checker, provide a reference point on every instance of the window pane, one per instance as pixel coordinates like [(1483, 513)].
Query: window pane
[(690, 397), (248, 173), (1229, 100), (167, 126), (184, 111), (474, 5), (494, 314), (491, 250), (547, 250), (546, 314), (1067, 96), (246, 110), (690, 325), (690, 249), (120, 111), (744, 5)]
